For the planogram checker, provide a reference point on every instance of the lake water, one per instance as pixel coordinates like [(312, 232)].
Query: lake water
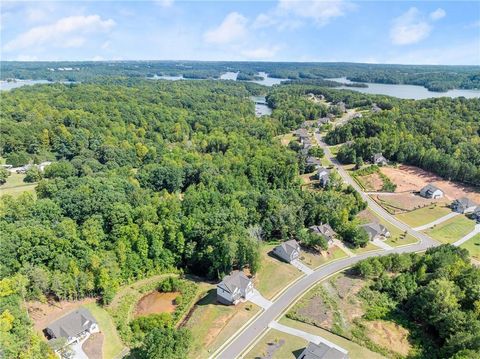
[(6, 86), (165, 77), (406, 91), (261, 107), (268, 81), (229, 76)]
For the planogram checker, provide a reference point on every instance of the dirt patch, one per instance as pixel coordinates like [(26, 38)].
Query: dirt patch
[(43, 314), (317, 312), (347, 286), (389, 335), (156, 302), (371, 183), (410, 178), (272, 348), (93, 346), (403, 202)]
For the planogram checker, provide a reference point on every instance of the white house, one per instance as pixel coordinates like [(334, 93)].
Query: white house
[(378, 159), (323, 176), (234, 287), (431, 191), (288, 251), (73, 326)]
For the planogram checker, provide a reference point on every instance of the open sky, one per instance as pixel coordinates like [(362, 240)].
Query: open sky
[(420, 32)]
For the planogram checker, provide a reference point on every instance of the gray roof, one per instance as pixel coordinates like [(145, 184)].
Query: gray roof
[(290, 246), (313, 161), (323, 229), (430, 188), (464, 202), (374, 229), (379, 157), (236, 279), (301, 132), (323, 172), (72, 324), (321, 351)]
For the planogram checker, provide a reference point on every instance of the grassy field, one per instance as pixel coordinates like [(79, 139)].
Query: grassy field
[(286, 138), (315, 260), (452, 230), (397, 236), (112, 345), (425, 215), (369, 247), (280, 345), (354, 350), (274, 274), (473, 246), (334, 149), (212, 323), (15, 185)]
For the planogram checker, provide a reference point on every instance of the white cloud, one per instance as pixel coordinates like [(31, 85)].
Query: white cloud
[(437, 14), (97, 58), (165, 3), (65, 32), (291, 13), (26, 58), (261, 53), (409, 28), (232, 28)]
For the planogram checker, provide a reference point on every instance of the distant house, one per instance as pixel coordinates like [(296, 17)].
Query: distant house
[(73, 326), (342, 107), (313, 161), (234, 287), (288, 251), (323, 351), (375, 108), (323, 121), (23, 169), (301, 133), (431, 191), (476, 214), (42, 165), (325, 231), (378, 159), (376, 230), (357, 115), (464, 205), (323, 176)]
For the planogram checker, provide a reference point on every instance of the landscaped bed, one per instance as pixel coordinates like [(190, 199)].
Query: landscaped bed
[(451, 230)]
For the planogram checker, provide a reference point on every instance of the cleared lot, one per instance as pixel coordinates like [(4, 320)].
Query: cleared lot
[(451, 230)]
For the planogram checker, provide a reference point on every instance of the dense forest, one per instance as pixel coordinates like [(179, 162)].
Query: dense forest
[(440, 135), (435, 295), (434, 78), (147, 177)]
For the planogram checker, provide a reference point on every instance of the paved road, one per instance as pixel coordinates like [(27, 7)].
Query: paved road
[(236, 347)]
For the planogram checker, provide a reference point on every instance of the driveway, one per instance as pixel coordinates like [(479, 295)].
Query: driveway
[(381, 244), (297, 264), (78, 352), (259, 300)]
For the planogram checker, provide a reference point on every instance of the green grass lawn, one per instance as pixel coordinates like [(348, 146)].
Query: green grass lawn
[(354, 350), (334, 149), (425, 215), (273, 274), (452, 230), (289, 346), (315, 260), (369, 247), (15, 185), (473, 246), (112, 345), (212, 323)]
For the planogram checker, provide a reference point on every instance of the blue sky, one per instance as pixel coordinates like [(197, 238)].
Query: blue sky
[(421, 32)]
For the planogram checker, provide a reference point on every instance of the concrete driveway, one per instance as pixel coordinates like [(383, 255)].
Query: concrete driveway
[(260, 300), (299, 265)]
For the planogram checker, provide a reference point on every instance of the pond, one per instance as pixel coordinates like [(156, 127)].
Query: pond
[(8, 85), (261, 107), (405, 91), (156, 302)]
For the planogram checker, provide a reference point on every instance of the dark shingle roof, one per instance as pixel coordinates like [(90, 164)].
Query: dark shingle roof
[(322, 351), (72, 324), (236, 279)]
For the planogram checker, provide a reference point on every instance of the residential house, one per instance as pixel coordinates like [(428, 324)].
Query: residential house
[(301, 133), (234, 287), (476, 214), (323, 176), (323, 351), (325, 231), (323, 121), (73, 327), (313, 161), (376, 230), (357, 115), (42, 165), (431, 191), (464, 205), (342, 107), (379, 160), (375, 108), (288, 251)]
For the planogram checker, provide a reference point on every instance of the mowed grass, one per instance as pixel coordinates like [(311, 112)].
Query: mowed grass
[(315, 260), (422, 216), (369, 247), (112, 345), (452, 230), (473, 246), (15, 186), (212, 323), (274, 274), (281, 345), (354, 350)]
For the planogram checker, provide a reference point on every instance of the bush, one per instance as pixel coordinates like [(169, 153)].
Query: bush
[(3, 175), (33, 175)]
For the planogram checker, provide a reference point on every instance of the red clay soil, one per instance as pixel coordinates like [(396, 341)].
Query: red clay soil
[(410, 178), (93, 346), (156, 302)]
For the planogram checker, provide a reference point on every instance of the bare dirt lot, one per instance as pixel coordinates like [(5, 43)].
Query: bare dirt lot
[(410, 178), (396, 203), (156, 302), (93, 346), (389, 335), (372, 182), (43, 314)]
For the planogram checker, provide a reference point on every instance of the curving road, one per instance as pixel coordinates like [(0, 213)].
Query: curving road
[(243, 340)]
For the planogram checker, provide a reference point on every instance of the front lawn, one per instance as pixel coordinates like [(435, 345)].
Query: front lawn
[(473, 246), (315, 260), (425, 215), (452, 230), (277, 345), (15, 186), (112, 345), (369, 247)]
